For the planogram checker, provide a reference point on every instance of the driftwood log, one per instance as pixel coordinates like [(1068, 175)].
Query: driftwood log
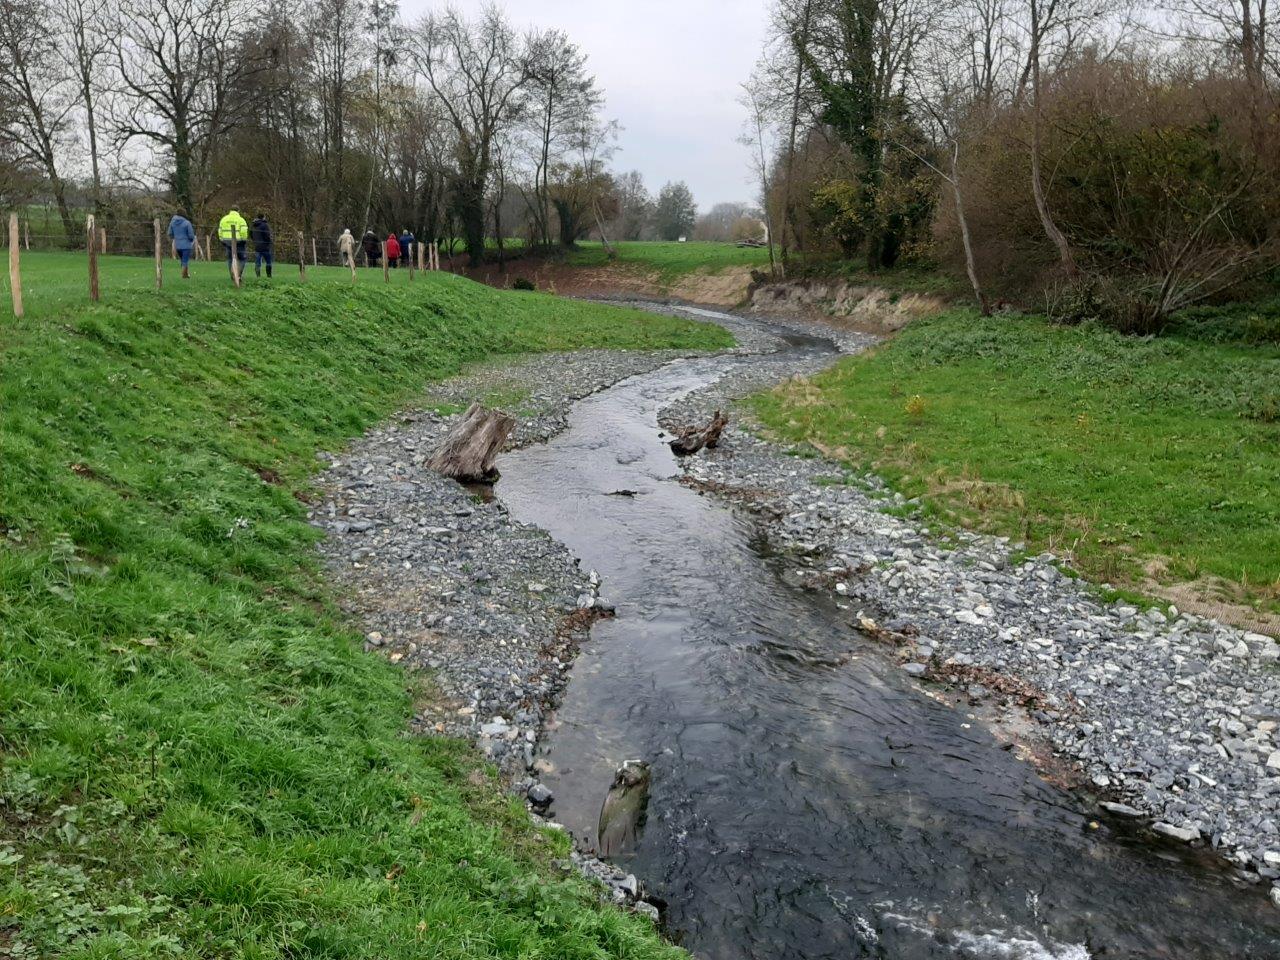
[(694, 438), (468, 452)]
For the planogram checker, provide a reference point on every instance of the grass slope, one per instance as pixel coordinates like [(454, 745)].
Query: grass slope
[(196, 758), (671, 261), (1127, 453)]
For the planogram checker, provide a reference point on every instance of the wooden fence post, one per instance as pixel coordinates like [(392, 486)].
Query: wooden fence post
[(235, 254), (26, 231), (208, 247), (93, 235), (15, 274), (159, 256), (315, 260), (102, 239), (386, 267), (351, 260), (302, 259), (409, 260)]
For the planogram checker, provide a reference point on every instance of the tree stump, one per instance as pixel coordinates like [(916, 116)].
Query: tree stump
[(694, 438), (468, 452)]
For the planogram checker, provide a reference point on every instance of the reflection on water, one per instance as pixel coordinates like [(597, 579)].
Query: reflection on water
[(806, 801)]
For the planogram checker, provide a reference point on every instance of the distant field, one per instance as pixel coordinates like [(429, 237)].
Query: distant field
[(196, 757), (1143, 460), (671, 261)]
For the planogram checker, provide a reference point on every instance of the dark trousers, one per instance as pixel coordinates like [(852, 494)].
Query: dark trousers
[(258, 258), (226, 245), (184, 254)]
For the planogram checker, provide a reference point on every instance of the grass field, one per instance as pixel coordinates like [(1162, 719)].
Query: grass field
[(1135, 457), (671, 261), (196, 757)]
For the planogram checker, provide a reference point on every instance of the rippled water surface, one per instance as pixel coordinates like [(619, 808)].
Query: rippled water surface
[(807, 801)]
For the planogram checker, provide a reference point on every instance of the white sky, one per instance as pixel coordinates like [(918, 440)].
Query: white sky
[(670, 70)]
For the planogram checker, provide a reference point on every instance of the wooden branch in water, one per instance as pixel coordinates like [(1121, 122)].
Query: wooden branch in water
[(468, 452), (694, 438)]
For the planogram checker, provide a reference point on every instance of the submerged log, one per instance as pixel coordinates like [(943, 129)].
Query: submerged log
[(692, 439), (622, 814), (468, 452)]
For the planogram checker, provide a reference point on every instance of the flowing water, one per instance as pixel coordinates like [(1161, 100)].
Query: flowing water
[(807, 800)]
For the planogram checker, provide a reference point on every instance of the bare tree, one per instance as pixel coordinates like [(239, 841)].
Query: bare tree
[(477, 70), (338, 34), (757, 134), (84, 52), (182, 70), (560, 93), (37, 119)]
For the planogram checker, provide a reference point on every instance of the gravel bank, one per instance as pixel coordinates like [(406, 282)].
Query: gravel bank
[(445, 582), (1171, 718)]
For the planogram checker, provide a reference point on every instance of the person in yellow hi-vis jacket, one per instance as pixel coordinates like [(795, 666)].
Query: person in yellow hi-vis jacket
[(241, 237)]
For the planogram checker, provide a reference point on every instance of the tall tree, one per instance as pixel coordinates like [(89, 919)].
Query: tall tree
[(675, 212), (338, 35), (36, 120), (478, 71), (182, 70), (561, 96), (633, 204), (84, 52)]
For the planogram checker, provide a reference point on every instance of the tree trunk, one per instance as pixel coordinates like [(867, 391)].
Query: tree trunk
[(969, 264), (1051, 230), (694, 438), (468, 452)]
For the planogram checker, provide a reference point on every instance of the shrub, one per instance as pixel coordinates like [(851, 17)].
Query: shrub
[(524, 283)]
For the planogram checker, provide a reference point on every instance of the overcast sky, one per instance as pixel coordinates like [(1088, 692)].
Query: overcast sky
[(670, 70)]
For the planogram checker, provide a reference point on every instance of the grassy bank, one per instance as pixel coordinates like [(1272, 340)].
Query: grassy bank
[(196, 758), (1144, 460)]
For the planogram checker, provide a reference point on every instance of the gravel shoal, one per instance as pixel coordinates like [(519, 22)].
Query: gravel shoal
[(443, 581)]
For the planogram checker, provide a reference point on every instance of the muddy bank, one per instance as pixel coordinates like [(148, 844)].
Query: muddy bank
[(862, 307), (727, 287)]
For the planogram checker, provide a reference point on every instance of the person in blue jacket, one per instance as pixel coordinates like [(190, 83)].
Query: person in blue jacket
[(407, 241), (184, 239)]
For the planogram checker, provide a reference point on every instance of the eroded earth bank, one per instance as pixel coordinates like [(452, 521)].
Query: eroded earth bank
[(866, 739)]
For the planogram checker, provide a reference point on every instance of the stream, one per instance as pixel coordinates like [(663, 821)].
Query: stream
[(809, 800)]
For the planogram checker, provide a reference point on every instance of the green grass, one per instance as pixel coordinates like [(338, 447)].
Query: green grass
[(671, 261), (1116, 451), (196, 757)]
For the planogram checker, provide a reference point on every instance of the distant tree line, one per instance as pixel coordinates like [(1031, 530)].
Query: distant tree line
[(1116, 160), (326, 114)]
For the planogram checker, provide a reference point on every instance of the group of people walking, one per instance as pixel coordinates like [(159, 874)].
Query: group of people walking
[(400, 249), (235, 235)]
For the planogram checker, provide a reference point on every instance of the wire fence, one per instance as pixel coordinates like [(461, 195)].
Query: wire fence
[(150, 239)]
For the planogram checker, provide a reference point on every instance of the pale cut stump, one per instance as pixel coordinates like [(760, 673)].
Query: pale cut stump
[(468, 452)]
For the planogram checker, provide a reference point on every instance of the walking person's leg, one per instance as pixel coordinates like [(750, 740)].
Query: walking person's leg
[(257, 263), (270, 256), (226, 245), (185, 256)]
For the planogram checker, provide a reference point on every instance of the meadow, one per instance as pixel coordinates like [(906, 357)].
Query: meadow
[(670, 261), (1140, 460), (196, 757)]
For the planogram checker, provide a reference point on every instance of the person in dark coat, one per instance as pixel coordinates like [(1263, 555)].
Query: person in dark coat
[(393, 250), (183, 235), (263, 245), (407, 244), (372, 248)]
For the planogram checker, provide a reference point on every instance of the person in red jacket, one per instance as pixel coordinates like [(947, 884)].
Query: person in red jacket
[(393, 249)]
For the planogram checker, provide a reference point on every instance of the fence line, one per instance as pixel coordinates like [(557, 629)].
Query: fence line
[(130, 242)]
